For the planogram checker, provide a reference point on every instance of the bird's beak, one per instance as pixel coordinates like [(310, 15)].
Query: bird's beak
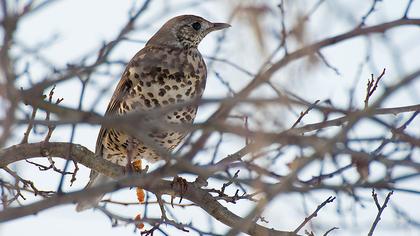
[(219, 26)]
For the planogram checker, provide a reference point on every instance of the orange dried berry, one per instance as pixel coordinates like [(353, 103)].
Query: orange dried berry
[(137, 219), (140, 195), (137, 165), (139, 191)]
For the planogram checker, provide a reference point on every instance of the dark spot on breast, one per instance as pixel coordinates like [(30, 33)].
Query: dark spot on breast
[(189, 82), (136, 75), (148, 83), (150, 95), (187, 93), (171, 100), (162, 92), (178, 96), (175, 87), (167, 87), (188, 117), (141, 83), (147, 102), (165, 102), (178, 76), (156, 102), (161, 80)]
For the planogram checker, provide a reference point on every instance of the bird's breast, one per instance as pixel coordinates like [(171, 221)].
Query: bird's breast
[(159, 79), (178, 78)]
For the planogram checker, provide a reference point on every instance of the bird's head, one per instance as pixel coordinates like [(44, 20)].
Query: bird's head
[(184, 31)]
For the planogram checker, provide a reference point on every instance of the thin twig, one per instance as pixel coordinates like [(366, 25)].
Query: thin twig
[(302, 114), (314, 214), (371, 87), (380, 209)]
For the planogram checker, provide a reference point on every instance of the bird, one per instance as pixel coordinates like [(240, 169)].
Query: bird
[(169, 70)]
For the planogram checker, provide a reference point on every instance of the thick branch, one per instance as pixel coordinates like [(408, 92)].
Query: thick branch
[(151, 182)]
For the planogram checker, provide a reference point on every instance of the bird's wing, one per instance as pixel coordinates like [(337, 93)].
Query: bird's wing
[(120, 93)]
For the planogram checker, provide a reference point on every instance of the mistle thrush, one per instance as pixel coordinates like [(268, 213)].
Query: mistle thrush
[(168, 70)]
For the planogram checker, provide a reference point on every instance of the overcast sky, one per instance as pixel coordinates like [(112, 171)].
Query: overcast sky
[(81, 26)]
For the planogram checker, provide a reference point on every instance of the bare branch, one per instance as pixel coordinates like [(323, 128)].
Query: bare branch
[(314, 214), (380, 209)]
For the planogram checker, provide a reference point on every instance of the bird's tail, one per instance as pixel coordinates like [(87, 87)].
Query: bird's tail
[(92, 201)]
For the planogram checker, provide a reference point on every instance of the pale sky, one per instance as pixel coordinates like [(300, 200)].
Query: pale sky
[(81, 25)]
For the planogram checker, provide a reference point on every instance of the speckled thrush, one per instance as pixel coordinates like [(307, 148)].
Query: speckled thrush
[(168, 70)]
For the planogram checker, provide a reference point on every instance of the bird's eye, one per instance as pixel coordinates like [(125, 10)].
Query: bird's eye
[(196, 25)]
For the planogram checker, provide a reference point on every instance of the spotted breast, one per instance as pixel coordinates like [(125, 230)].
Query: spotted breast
[(179, 76)]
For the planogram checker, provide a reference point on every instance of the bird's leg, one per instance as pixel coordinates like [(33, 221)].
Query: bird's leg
[(181, 185), (129, 167)]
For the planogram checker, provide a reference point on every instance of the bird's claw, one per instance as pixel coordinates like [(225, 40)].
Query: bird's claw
[(180, 184)]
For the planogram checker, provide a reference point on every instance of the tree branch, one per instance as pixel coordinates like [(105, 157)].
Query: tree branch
[(151, 182)]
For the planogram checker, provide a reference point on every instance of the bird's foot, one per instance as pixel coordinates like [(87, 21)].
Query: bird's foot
[(180, 185)]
